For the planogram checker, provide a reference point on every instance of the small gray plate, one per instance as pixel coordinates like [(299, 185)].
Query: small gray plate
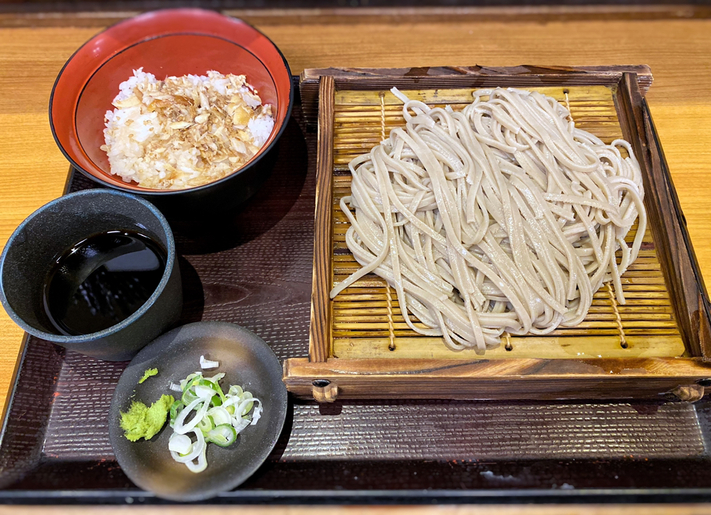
[(247, 361)]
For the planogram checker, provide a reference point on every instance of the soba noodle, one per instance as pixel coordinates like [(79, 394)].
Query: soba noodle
[(501, 217)]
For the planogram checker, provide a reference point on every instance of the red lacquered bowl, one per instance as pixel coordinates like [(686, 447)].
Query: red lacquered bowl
[(165, 43)]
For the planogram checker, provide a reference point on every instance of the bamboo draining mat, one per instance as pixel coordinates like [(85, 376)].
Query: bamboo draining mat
[(366, 317), (660, 345)]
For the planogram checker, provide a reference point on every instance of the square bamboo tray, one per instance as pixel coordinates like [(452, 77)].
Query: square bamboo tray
[(654, 346)]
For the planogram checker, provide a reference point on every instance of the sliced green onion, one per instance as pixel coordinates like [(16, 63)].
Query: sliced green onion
[(217, 399), (216, 378), (188, 397), (201, 463), (257, 414), (189, 394), (240, 424), (203, 391), (205, 425), (180, 426), (174, 410), (220, 415), (180, 444), (223, 435), (175, 387), (208, 364), (241, 406), (235, 391), (197, 448), (214, 417), (247, 407), (185, 383)]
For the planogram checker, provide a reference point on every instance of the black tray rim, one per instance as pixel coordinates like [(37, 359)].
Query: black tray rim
[(325, 497), (370, 497)]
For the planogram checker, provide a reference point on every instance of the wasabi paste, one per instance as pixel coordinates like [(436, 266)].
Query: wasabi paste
[(143, 422), (148, 373)]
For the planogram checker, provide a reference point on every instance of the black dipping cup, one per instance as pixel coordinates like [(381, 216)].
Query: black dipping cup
[(54, 228)]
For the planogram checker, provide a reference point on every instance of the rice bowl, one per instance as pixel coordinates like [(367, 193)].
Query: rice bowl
[(171, 42)]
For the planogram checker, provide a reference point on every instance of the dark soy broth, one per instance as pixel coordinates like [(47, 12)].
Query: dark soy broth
[(101, 281)]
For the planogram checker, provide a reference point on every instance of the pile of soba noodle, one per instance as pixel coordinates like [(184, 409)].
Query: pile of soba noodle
[(501, 217)]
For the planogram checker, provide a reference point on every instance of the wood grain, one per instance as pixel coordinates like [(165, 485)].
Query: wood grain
[(513, 379), (320, 333), (549, 347), (666, 221), (85, 14), (33, 170), (355, 79)]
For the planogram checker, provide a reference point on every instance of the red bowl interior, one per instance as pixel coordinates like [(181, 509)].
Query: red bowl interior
[(170, 42)]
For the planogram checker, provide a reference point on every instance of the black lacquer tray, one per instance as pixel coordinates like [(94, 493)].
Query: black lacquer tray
[(255, 270)]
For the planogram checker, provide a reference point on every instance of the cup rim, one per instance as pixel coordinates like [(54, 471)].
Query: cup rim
[(91, 337)]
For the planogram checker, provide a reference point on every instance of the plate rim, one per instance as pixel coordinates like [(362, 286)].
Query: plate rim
[(203, 328)]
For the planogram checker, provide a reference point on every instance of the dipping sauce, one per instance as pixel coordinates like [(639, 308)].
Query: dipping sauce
[(101, 281)]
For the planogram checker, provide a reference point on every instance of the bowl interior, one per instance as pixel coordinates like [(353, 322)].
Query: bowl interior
[(164, 56), (165, 44)]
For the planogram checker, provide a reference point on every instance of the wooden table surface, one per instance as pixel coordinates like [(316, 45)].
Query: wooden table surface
[(676, 44)]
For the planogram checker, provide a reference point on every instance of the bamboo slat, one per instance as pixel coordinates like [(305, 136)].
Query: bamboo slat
[(366, 321), (454, 76)]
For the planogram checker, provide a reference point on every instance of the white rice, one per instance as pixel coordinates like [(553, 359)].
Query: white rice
[(160, 140)]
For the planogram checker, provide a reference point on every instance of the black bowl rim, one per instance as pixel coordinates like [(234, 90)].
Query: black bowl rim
[(169, 193)]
